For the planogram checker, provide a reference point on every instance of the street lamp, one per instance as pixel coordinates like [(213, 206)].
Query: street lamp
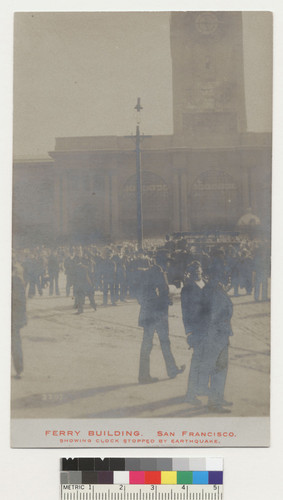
[(138, 138), (138, 107)]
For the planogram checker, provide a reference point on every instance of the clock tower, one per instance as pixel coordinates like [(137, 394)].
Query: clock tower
[(208, 78)]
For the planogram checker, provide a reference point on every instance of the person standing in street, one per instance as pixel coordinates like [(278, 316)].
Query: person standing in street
[(216, 347), (83, 286), (19, 318), (53, 272), (154, 300), (195, 318)]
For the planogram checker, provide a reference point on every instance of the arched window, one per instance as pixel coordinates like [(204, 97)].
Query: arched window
[(214, 201)]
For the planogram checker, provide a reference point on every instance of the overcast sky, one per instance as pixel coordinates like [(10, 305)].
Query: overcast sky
[(79, 74)]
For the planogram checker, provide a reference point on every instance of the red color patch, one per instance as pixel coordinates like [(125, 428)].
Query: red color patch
[(153, 477)]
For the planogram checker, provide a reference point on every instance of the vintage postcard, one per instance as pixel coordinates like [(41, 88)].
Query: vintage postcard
[(141, 229)]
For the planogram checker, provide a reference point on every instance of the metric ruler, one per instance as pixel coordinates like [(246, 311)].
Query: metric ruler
[(141, 492)]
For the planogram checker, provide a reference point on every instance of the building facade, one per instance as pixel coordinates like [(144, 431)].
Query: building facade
[(201, 178)]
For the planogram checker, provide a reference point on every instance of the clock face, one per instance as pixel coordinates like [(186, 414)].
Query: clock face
[(206, 23)]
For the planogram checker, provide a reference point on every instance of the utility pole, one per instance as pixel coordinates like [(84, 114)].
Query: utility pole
[(138, 138), (138, 107)]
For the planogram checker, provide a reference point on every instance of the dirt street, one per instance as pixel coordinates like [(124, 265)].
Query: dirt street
[(80, 366)]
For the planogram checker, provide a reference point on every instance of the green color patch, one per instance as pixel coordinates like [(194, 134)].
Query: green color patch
[(184, 477)]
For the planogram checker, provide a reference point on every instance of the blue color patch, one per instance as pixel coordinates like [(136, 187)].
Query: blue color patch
[(200, 477)]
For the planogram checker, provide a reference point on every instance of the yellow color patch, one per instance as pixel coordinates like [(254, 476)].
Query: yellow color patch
[(168, 477)]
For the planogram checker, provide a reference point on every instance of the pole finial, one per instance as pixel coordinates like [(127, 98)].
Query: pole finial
[(138, 106)]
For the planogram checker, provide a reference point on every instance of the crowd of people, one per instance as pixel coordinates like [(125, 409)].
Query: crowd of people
[(205, 268), (114, 269)]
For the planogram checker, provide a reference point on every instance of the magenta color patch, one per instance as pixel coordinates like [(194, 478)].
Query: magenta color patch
[(136, 477)]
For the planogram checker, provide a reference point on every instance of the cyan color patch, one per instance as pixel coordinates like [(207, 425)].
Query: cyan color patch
[(200, 477)]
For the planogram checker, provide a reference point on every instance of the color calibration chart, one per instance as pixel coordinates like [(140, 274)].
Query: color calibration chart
[(141, 478)]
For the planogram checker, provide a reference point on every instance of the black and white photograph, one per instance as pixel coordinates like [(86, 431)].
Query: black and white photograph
[(141, 228)]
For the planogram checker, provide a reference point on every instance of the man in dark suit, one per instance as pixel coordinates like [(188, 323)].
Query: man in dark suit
[(83, 286), (19, 318), (215, 355), (195, 318), (154, 300)]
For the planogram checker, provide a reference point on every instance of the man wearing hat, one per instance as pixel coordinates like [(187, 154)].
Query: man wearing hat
[(195, 318), (154, 301)]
